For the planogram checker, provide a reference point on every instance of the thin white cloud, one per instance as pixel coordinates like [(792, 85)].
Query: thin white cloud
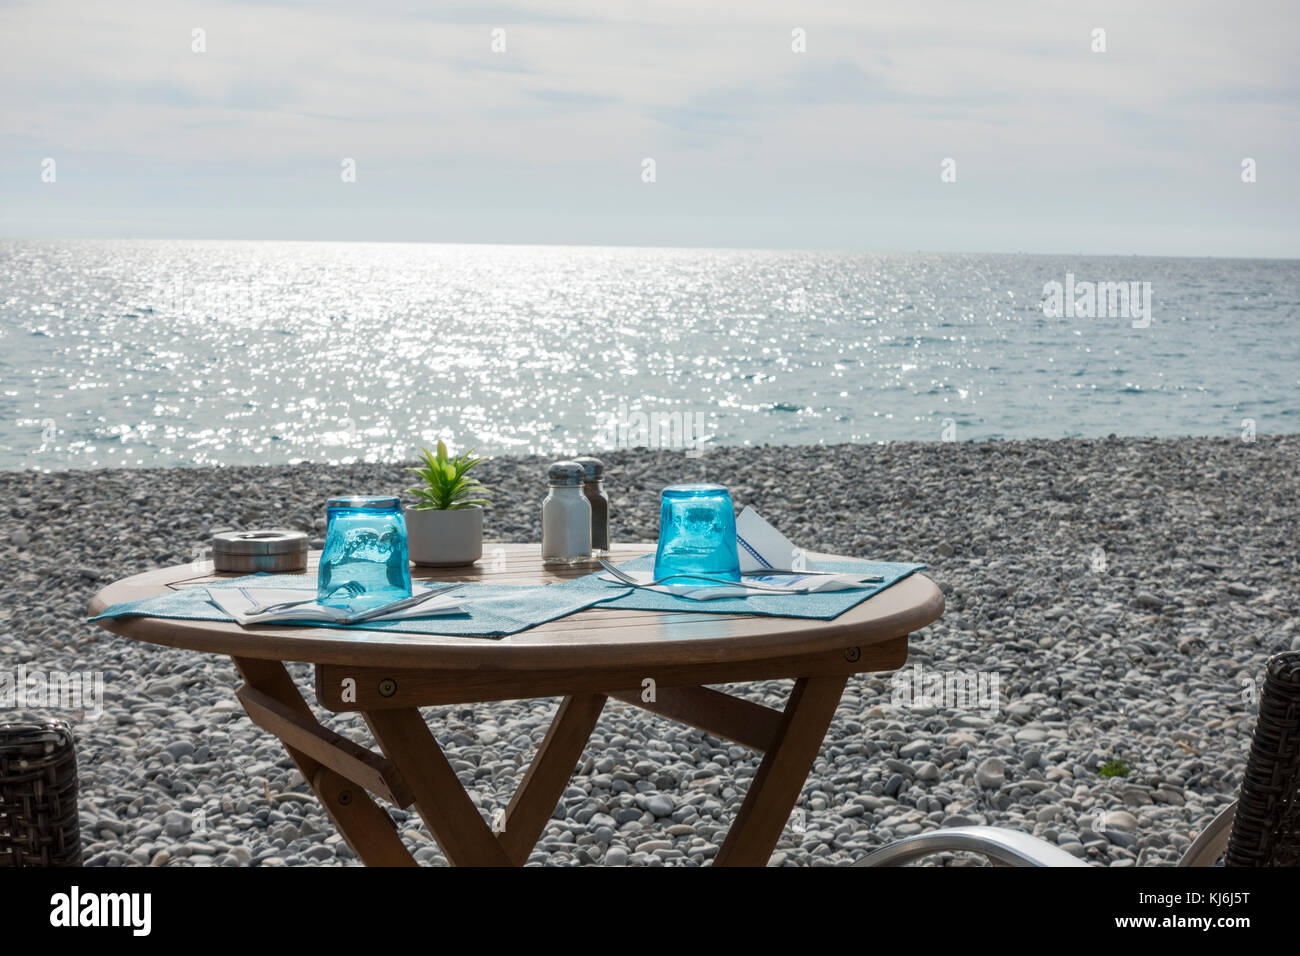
[(734, 118)]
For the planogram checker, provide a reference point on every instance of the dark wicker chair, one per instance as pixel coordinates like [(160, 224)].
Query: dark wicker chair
[(38, 795), (1262, 828), (1266, 826)]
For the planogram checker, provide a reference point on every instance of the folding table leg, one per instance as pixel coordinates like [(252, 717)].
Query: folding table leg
[(362, 822), (549, 773), (443, 803), (775, 788)]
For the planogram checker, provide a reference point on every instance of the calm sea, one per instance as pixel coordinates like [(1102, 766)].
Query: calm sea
[(164, 353)]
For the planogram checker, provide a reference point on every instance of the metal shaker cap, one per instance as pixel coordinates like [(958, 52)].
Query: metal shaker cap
[(563, 473), (593, 468)]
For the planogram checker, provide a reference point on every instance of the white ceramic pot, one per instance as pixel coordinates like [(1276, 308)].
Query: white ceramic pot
[(444, 539)]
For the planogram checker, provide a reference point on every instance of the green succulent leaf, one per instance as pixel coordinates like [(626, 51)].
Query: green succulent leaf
[(447, 484)]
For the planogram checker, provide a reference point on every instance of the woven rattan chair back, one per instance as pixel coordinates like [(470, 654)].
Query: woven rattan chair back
[(1266, 827), (38, 795)]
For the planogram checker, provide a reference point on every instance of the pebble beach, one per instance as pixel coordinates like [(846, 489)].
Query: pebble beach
[(1123, 594)]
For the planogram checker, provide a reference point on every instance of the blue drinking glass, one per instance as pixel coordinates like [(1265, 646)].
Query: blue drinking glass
[(364, 564), (697, 534)]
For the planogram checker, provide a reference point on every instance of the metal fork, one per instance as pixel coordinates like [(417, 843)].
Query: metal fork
[(629, 580), (413, 601), (353, 588), (771, 571)]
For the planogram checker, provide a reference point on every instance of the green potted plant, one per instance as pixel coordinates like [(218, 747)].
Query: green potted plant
[(445, 528)]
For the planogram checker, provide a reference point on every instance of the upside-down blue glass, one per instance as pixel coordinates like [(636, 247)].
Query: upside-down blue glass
[(697, 533), (365, 546)]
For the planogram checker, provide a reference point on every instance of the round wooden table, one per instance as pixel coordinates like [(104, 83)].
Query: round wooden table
[(654, 660)]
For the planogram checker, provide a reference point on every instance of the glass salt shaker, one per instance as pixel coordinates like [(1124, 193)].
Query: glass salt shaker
[(566, 517), (593, 486)]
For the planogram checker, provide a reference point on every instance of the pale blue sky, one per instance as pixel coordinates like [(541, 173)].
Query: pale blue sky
[(1057, 148)]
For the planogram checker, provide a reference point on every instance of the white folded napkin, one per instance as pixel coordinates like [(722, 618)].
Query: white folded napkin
[(239, 603), (763, 548)]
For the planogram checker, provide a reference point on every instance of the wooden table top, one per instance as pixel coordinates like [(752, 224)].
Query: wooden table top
[(595, 637)]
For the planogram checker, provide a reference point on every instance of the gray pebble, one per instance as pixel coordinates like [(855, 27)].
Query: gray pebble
[(991, 774)]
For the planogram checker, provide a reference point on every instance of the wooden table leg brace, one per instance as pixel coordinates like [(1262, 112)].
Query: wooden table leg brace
[(366, 826), (417, 771), (789, 741)]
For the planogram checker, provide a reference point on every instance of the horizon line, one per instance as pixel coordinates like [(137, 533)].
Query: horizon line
[(624, 246)]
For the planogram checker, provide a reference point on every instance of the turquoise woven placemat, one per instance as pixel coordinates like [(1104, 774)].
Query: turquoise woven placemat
[(492, 610), (496, 610), (824, 607)]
